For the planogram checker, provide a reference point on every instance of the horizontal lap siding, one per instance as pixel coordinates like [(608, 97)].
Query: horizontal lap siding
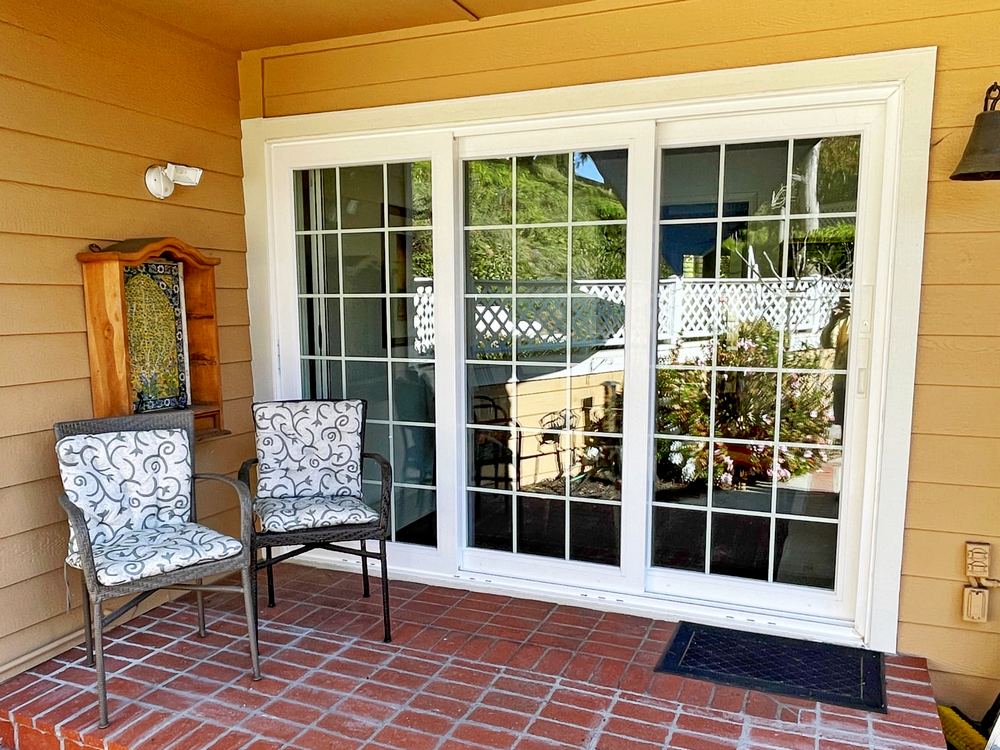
[(955, 472), (92, 96)]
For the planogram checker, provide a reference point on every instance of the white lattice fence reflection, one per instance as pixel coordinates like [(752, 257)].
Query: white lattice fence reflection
[(688, 310)]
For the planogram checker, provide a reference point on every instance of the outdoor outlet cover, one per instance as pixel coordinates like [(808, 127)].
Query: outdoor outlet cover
[(975, 604)]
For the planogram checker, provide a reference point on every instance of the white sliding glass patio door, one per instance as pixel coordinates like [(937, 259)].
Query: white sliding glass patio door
[(762, 344), (630, 358), (359, 258)]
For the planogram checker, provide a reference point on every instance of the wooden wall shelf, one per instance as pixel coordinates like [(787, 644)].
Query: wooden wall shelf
[(107, 335)]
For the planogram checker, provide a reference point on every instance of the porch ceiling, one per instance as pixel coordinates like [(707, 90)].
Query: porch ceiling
[(251, 24)]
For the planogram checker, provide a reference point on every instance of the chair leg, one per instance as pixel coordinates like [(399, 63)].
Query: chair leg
[(88, 627), (385, 591), (249, 602), (102, 688), (365, 587), (253, 591), (200, 597), (270, 577)]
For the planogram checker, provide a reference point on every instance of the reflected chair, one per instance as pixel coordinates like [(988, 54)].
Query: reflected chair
[(308, 495), (129, 494), (491, 447)]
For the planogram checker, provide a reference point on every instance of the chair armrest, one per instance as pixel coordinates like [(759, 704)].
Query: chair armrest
[(246, 505), (78, 522), (386, 504), (244, 474)]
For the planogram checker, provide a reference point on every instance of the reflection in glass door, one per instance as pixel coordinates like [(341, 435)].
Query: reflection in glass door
[(544, 242), (756, 258), (366, 311)]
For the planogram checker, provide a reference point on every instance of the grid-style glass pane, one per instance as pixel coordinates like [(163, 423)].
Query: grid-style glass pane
[(489, 192), (364, 262), (541, 526), (825, 174), (682, 471), (541, 193), (366, 319), (489, 261), (415, 516), (541, 260), (805, 553), (545, 347), (411, 262), (408, 188), (754, 182), (362, 196), (491, 521), (679, 539), (808, 481), (753, 335), (489, 328), (740, 545), (743, 478), (364, 326), (491, 457), (689, 183), (744, 404), (595, 532), (751, 250), (592, 172)]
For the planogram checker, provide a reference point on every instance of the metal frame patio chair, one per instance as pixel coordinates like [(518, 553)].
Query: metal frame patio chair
[(308, 494), (129, 494)]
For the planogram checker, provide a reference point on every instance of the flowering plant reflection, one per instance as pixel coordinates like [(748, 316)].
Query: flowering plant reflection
[(745, 407)]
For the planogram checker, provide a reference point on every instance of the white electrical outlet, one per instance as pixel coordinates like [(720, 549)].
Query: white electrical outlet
[(975, 604), (977, 559)]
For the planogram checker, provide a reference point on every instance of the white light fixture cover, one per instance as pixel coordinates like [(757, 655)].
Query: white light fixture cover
[(160, 181)]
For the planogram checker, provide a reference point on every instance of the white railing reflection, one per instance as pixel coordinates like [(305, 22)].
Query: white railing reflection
[(688, 310)]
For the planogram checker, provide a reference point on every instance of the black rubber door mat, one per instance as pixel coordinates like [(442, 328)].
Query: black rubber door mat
[(839, 675)]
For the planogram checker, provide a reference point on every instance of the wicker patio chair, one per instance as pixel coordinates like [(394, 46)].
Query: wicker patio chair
[(129, 495), (308, 496)]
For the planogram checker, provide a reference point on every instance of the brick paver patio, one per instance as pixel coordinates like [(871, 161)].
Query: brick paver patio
[(465, 670)]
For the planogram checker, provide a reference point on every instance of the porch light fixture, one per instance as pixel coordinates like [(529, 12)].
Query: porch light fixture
[(160, 181), (981, 160)]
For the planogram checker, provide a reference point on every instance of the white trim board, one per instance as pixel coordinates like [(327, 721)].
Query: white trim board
[(901, 82)]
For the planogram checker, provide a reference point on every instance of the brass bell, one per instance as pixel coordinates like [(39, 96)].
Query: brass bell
[(981, 160)]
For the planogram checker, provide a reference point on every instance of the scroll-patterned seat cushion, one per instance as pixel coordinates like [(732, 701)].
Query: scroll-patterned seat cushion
[(127, 480), (309, 448), (132, 554), (298, 513)]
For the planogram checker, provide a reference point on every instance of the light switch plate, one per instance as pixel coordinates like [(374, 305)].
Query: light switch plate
[(977, 559)]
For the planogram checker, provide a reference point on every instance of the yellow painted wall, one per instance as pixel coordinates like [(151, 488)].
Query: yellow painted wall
[(89, 97), (954, 490)]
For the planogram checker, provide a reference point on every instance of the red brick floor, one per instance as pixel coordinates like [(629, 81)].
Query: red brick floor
[(465, 670)]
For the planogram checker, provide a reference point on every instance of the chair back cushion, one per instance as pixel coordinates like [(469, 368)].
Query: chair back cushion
[(127, 480), (308, 448)]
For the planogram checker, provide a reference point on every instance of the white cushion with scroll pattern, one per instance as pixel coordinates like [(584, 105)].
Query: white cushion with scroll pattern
[(297, 513), (127, 480), (309, 448), (134, 488), (134, 554)]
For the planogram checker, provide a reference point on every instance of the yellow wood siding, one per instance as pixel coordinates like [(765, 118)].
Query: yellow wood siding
[(955, 476), (92, 96)]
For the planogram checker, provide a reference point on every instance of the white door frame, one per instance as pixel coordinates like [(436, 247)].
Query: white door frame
[(899, 82)]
